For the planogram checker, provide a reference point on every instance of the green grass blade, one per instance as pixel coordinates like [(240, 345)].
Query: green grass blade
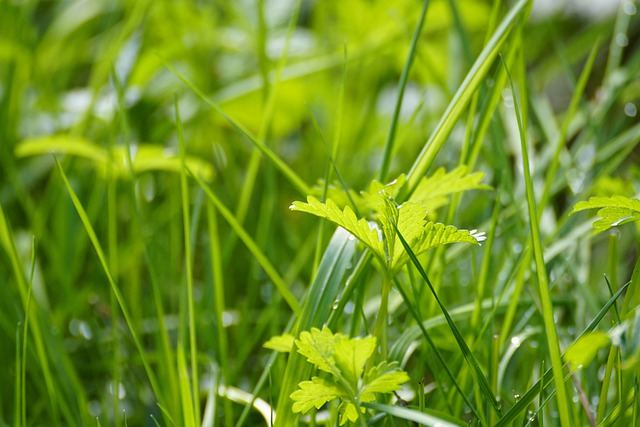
[(525, 400), (404, 78), (251, 245), (460, 100), (114, 287), (297, 182), (428, 418), (188, 417), (193, 346), (315, 311), (543, 285), (441, 359), (485, 388)]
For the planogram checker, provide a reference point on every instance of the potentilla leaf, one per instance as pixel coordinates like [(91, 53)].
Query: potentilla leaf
[(435, 189), (314, 393), (348, 412), (318, 346), (614, 211), (372, 194), (282, 343), (383, 378), (346, 219), (351, 355), (431, 235)]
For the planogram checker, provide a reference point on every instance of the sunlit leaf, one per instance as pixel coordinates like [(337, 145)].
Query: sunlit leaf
[(435, 189), (585, 348), (282, 343), (348, 412), (314, 393), (351, 355), (346, 219), (615, 210), (383, 378), (319, 346)]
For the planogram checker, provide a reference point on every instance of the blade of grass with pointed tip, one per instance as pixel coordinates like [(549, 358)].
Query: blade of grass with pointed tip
[(541, 271), (251, 245), (289, 173), (523, 403), (485, 388), (404, 78), (460, 100), (188, 259), (114, 287), (427, 337), (427, 418), (316, 308)]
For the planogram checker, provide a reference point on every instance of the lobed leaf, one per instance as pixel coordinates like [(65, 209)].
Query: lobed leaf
[(585, 348), (433, 190), (314, 393), (348, 412), (318, 346), (346, 219), (614, 211), (351, 355), (282, 343), (383, 378)]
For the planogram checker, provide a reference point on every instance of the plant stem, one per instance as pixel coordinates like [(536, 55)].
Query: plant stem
[(381, 330)]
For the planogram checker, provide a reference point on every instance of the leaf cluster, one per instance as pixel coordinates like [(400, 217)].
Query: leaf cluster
[(344, 359), (409, 218)]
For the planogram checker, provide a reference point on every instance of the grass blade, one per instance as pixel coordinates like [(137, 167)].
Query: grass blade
[(251, 245), (543, 285), (485, 388), (193, 347), (460, 100), (429, 418), (404, 77), (526, 399), (114, 287), (315, 312)]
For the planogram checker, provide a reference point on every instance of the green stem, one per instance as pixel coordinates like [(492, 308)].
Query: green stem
[(381, 330)]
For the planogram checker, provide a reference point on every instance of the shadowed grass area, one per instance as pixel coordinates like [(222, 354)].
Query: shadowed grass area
[(149, 156)]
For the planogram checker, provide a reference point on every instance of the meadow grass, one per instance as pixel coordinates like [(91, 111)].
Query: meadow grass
[(149, 154)]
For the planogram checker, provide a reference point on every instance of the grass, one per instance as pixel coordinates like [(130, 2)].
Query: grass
[(149, 154)]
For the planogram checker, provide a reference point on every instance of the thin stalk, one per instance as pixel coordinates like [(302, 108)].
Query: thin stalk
[(382, 323), (193, 347), (404, 78), (543, 285)]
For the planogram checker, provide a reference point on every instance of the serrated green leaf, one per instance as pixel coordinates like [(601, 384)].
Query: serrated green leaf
[(585, 348), (351, 355), (348, 412), (282, 343), (314, 393), (372, 194), (614, 211), (433, 190), (431, 235), (383, 378), (346, 219), (318, 346)]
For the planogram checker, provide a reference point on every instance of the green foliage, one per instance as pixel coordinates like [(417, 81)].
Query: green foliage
[(614, 211), (409, 217), (584, 349), (344, 359)]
